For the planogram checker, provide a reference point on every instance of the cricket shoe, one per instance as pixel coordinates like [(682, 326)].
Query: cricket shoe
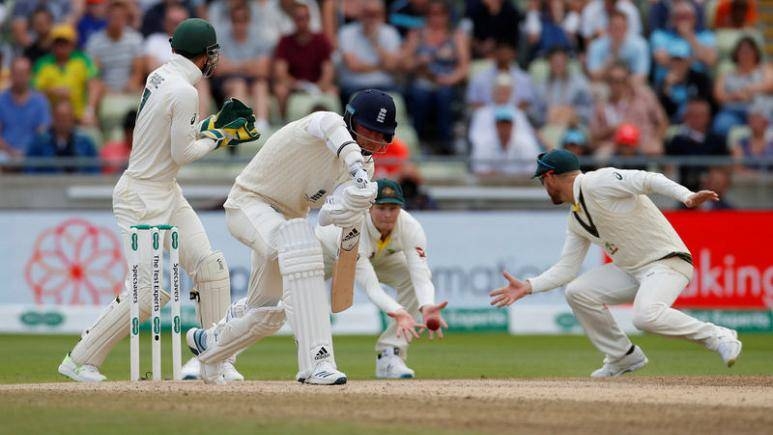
[(82, 373), (191, 371), (389, 365), (628, 363), (324, 371), (728, 346)]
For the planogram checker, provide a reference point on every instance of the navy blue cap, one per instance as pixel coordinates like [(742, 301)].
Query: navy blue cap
[(374, 110)]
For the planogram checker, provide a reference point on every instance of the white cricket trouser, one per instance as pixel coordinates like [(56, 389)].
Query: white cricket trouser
[(393, 271), (653, 290), (141, 202)]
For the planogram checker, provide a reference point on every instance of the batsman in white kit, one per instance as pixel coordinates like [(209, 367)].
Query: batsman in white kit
[(650, 263), (321, 160), (166, 137), (392, 251)]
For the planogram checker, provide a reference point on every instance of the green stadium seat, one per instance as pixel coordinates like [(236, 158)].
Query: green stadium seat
[(94, 134), (401, 113), (113, 109), (736, 134), (301, 104), (552, 135)]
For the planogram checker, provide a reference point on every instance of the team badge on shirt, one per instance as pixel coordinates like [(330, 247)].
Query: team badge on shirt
[(420, 251)]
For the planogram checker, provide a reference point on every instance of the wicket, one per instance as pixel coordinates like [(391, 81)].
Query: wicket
[(156, 279)]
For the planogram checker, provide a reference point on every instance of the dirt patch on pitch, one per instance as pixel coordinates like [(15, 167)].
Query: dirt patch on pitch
[(633, 405)]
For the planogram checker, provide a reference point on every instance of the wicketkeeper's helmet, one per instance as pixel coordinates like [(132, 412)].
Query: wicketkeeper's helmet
[(193, 37)]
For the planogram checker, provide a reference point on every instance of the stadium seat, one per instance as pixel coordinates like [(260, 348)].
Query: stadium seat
[(477, 66), (401, 112), (727, 38), (301, 104), (736, 134), (113, 109), (551, 134), (94, 134)]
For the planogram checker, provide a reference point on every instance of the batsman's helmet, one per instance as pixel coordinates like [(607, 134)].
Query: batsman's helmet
[(194, 37), (374, 110)]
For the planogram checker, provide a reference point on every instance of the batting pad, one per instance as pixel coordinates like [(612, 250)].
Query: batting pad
[(236, 334), (111, 327), (213, 286), (305, 298)]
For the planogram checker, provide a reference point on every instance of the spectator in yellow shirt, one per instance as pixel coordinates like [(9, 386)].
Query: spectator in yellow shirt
[(68, 74)]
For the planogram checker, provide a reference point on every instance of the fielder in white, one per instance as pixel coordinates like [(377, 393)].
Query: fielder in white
[(650, 263), (392, 251), (322, 158), (167, 136)]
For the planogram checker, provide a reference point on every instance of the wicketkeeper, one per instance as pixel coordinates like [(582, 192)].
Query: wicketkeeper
[(167, 136)]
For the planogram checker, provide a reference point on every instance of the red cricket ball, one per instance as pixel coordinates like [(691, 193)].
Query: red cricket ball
[(433, 324)]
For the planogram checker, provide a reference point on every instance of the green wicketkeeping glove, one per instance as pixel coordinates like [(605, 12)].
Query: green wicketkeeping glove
[(237, 131), (232, 110)]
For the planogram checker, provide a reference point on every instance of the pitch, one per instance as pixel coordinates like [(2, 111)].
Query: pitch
[(468, 384)]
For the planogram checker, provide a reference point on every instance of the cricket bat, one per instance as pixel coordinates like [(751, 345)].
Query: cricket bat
[(342, 292)]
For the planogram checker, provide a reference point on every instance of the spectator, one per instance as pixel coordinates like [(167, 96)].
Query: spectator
[(695, 139), (735, 14), (302, 61), (153, 18), (117, 52), (42, 22), (370, 51), (627, 141), (549, 24), (682, 83), (575, 141), (479, 88), (286, 16), (413, 190), (596, 13), (759, 142), (408, 15), (24, 112), (684, 28), (492, 21), (439, 58), (265, 15), (62, 140), (736, 89), (565, 93), (659, 15), (115, 154), (506, 144), (68, 74), (391, 162), (244, 65), (93, 20), (619, 45), (157, 49), (632, 103), (60, 11)]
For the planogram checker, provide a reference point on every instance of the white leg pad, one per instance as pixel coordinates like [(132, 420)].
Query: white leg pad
[(213, 289), (305, 298), (111, 327), (229, 337)]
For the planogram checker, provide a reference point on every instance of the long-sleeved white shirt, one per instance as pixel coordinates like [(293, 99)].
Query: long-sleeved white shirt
[(622, 208), (301, 164), (407, 243), (165, 135)]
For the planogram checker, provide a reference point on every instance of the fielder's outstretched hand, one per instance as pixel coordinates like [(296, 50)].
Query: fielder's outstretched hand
[(700, 197), (514, 290), (432, 316), (406, 324)]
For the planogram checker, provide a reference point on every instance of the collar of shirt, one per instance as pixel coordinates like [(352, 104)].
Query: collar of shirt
[(576, 193), (693, 134), (189, 70)]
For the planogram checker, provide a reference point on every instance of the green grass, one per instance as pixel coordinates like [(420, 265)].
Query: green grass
[(29, 358)]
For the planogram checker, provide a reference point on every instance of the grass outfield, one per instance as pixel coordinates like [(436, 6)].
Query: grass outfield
[(32, 359)]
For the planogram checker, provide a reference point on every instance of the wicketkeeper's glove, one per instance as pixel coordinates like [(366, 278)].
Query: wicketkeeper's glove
[(235, 132)]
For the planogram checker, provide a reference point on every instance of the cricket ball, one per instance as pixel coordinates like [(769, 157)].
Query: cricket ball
[(433, 324)]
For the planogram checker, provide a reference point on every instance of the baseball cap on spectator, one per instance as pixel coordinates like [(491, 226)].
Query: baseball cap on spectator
[(574, 136), (504, 114), (679, 49), (63, 32), (628, 135)]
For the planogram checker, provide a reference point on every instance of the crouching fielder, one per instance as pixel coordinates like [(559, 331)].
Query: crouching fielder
[(166, 138), (392, 251), (650, 263), (297, 169)]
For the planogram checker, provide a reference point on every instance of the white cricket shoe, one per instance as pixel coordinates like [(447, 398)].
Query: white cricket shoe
[(230, 374), (325, 373), (728, 346), (389, 365), (190, 370), (634, 361), (211, 373), (82, 373)]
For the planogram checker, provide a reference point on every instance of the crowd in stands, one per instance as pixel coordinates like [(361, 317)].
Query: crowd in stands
[(498, 81)]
